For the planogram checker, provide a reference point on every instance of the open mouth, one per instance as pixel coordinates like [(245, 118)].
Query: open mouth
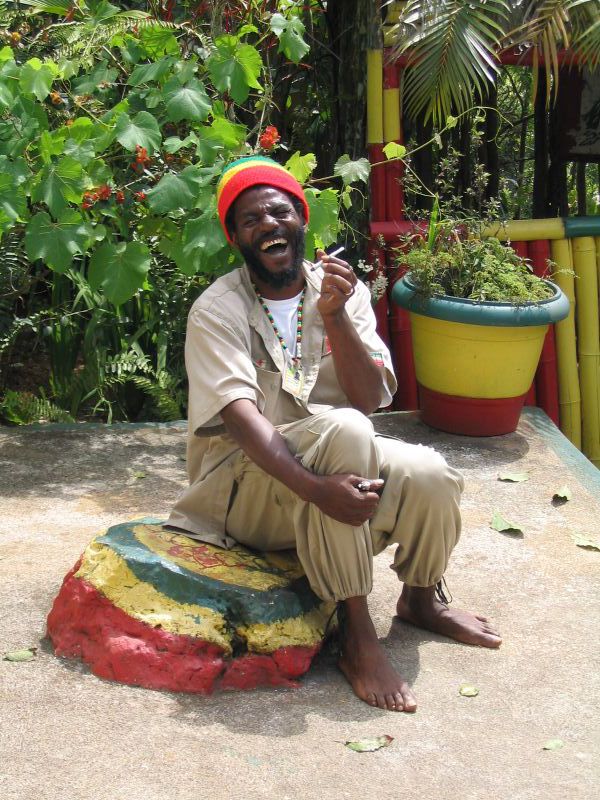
[(275, 246)]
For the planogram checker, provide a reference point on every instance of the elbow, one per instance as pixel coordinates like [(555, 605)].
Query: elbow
[(367, 405)]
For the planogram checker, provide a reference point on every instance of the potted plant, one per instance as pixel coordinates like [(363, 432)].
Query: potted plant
[(478, 319)]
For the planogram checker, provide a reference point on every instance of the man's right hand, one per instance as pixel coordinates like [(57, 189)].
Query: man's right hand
[(338, 496)]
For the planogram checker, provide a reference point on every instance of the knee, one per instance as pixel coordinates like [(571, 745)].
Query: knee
[(348, 443), (349, 426), (431, 478)]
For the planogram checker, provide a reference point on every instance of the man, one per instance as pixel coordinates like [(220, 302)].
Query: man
[(284, 365)]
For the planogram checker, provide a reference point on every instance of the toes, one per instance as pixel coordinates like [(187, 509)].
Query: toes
[(409, 700), (372, 700), (381, 702), (399, 701), (481, 619), (390, 702)]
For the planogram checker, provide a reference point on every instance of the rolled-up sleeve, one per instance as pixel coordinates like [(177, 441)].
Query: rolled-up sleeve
[(219, 368)]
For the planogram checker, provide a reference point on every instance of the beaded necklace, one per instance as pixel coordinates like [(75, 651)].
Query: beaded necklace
[(298, 357)]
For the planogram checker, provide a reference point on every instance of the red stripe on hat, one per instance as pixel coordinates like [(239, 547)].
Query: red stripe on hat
[(255, 176)]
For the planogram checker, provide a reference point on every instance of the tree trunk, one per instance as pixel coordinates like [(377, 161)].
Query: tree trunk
[(354, 26), (581, 189), (540, 174), (489, 147), (558, 200)]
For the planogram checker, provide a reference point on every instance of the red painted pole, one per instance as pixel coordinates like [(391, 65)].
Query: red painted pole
[(392, 132), (546, 377), (378, 182)]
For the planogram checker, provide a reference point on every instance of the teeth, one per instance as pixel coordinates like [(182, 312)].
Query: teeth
[(271, 242)]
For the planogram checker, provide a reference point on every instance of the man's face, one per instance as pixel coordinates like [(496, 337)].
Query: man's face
[(269, 233)]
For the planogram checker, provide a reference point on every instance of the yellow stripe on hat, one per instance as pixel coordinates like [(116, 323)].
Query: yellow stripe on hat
[(233, 171)]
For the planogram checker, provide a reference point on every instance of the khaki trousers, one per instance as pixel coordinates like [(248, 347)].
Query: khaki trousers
[(418, 510)]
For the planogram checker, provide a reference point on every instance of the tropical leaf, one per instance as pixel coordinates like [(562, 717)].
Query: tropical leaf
[(235, 67), (186, 102), (56, 243), (119, 269), (140, 130), (290, 32), (59, 183), (451, 48)]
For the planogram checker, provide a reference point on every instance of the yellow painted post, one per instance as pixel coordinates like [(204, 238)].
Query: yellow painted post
[(569, 396), (526, 230), (375, 131), (394, 11), (588, 343), (374, 96)]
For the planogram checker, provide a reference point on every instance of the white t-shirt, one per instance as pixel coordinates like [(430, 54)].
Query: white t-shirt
[(285, 314)]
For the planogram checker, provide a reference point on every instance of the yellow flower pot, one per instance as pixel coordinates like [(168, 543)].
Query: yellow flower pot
[(474, 360)]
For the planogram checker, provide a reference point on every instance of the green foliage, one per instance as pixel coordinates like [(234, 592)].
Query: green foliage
[(23, 408), (444, 263), (115, 125)]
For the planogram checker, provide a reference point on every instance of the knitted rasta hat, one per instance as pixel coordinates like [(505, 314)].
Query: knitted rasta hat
[(253, 171)]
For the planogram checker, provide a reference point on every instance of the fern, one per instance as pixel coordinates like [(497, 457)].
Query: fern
[(164, 393), (24, 408)]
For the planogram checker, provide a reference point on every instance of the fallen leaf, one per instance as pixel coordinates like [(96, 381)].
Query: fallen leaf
[(468, 690), (369, 745), (139, 475), (514, 477), (27, 654), (553, 744), (585, 541), (499, 523), (562, 495)]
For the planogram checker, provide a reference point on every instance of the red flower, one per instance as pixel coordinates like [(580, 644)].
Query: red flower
[(140, 196), (141, 155), (120, 196), (89, 198), (104, 192), (269, 137)]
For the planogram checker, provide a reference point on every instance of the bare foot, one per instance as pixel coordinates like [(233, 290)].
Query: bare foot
[(365, 664), (420, 607)]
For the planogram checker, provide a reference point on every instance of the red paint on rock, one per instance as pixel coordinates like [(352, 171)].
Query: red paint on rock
[(85, 624)]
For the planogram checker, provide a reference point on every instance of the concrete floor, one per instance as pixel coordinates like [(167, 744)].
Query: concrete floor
[(66, 734)]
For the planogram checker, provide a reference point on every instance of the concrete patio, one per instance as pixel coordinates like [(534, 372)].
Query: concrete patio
[(68, 735)]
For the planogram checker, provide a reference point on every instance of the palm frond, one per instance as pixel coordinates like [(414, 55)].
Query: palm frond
[(451, 53), (549, 26), (585, 22)]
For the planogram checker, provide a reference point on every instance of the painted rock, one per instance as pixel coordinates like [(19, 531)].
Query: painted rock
[(150, 607)]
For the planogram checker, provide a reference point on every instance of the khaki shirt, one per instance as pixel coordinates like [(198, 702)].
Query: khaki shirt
[(232, 352)]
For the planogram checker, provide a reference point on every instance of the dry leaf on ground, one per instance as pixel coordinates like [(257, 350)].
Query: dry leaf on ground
[(371, 744)]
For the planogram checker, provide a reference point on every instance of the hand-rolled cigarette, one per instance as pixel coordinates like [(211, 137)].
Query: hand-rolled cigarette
[(363, 486), (319, 263)]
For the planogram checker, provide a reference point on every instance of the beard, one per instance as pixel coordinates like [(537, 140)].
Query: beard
[(276, 280)]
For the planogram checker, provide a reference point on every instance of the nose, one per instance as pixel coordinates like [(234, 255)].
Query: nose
[(267, 222)]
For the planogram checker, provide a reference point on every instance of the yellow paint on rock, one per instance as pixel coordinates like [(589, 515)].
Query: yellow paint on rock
[(305, 631), (109, 574), (237, 567)]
